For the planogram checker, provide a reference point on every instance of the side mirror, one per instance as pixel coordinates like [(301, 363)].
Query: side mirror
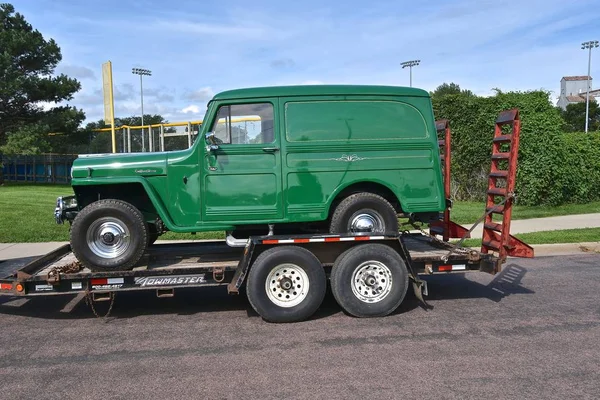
[(212, 142), (210, 138)]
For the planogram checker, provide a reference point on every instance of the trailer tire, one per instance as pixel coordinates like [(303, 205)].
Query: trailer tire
[(109, 235), (286, 284), (364, 213), (369, 280)]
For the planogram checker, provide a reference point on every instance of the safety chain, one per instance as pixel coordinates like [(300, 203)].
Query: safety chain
[(90, 302), (457, 248), (454, 248), (71, 268)]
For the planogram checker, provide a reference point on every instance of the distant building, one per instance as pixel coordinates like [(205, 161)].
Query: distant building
[(573, 90)]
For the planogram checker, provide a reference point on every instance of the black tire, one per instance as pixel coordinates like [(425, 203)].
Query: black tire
[(273, 260), (369, 258), (95, 252), (375, 207)]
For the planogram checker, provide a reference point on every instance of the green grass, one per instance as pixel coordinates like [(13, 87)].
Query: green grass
[(26, 215), (467, 212), (548, 237)]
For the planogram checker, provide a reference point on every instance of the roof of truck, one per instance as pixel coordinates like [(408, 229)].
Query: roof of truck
[(320, 90)]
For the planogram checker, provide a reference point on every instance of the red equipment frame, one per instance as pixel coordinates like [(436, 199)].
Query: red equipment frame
[(501, 184)]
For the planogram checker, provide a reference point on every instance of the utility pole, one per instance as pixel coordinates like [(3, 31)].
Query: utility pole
[(410, 64), (141, 72), (588, 45)]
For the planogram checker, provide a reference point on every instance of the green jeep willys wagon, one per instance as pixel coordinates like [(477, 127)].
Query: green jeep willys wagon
[(339, 159)]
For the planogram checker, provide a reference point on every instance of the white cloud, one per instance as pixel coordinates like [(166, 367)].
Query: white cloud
[(191, 109), (479, 44)]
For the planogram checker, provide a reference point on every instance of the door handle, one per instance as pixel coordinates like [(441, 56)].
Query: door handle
[(270, 149)]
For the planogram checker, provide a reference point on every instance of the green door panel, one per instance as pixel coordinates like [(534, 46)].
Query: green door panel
[(242, 181), (239, 197)]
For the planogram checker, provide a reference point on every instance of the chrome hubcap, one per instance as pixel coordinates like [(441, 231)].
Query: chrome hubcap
[(108, 237), (365, 222), (371, 281), (287, 285)]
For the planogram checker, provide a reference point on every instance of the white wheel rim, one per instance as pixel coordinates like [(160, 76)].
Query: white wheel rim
[(371, 281), (365, 221), (108, 237), (287, 285)]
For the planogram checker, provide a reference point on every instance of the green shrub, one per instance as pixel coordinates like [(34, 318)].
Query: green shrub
[(581, 167), (540, 177)]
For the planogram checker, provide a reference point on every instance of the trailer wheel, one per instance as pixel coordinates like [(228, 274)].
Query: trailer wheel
[(286, 284), (109, 235), (364, 213), (369, 280)]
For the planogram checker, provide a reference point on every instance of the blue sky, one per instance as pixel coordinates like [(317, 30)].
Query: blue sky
[(198, 48)]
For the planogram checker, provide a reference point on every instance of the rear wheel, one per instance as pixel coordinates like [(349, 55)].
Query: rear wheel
[(286, 284), (364, 213), (369, 280), (109, 235)]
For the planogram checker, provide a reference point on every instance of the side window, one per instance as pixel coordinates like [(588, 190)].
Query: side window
[(244, 124)]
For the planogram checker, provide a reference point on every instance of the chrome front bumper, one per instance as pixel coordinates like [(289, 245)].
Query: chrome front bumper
[(66, 209)]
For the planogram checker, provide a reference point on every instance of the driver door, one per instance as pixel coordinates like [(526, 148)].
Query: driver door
[(242, 165)]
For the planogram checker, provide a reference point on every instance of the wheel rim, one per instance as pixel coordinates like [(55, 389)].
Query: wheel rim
[(287, 285), (108, 237), (371, 281), (365, 221)]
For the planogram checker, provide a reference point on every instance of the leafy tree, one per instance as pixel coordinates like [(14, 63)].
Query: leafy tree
[(27, 63), (57, 132), (574, 117), (100, 142), (450, 89)]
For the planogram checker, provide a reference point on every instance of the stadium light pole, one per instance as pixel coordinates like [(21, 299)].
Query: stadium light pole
[(410, 64), (588, 45), (141, 72)]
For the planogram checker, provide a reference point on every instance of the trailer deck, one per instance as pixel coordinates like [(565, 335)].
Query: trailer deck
[(212, 263)]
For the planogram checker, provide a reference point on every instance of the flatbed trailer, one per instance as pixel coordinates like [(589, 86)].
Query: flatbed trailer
[(167, 267), (286, 276)]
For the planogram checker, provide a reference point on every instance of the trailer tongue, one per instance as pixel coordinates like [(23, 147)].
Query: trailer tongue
[(286, 276)]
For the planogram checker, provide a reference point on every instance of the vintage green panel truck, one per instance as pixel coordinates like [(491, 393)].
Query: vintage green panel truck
[(327, 158)]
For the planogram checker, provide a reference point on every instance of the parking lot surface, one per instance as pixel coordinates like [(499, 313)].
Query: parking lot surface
[(531, 332)]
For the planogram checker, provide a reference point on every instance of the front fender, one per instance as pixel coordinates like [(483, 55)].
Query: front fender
[(154, 198)]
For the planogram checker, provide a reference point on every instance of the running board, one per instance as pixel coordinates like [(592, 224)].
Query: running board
[(233, 242)]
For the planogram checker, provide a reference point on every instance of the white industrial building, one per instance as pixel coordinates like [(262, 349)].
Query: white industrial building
[(573, 90)]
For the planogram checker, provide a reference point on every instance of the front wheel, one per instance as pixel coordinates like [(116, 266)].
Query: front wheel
[(369, 280), (286, 284), (109, 235)]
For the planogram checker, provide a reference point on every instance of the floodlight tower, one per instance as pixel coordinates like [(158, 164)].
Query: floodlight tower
[(588, 45), (142, 72), (410, 64)]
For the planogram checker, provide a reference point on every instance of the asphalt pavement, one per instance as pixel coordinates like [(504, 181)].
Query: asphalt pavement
[(530, 332)]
